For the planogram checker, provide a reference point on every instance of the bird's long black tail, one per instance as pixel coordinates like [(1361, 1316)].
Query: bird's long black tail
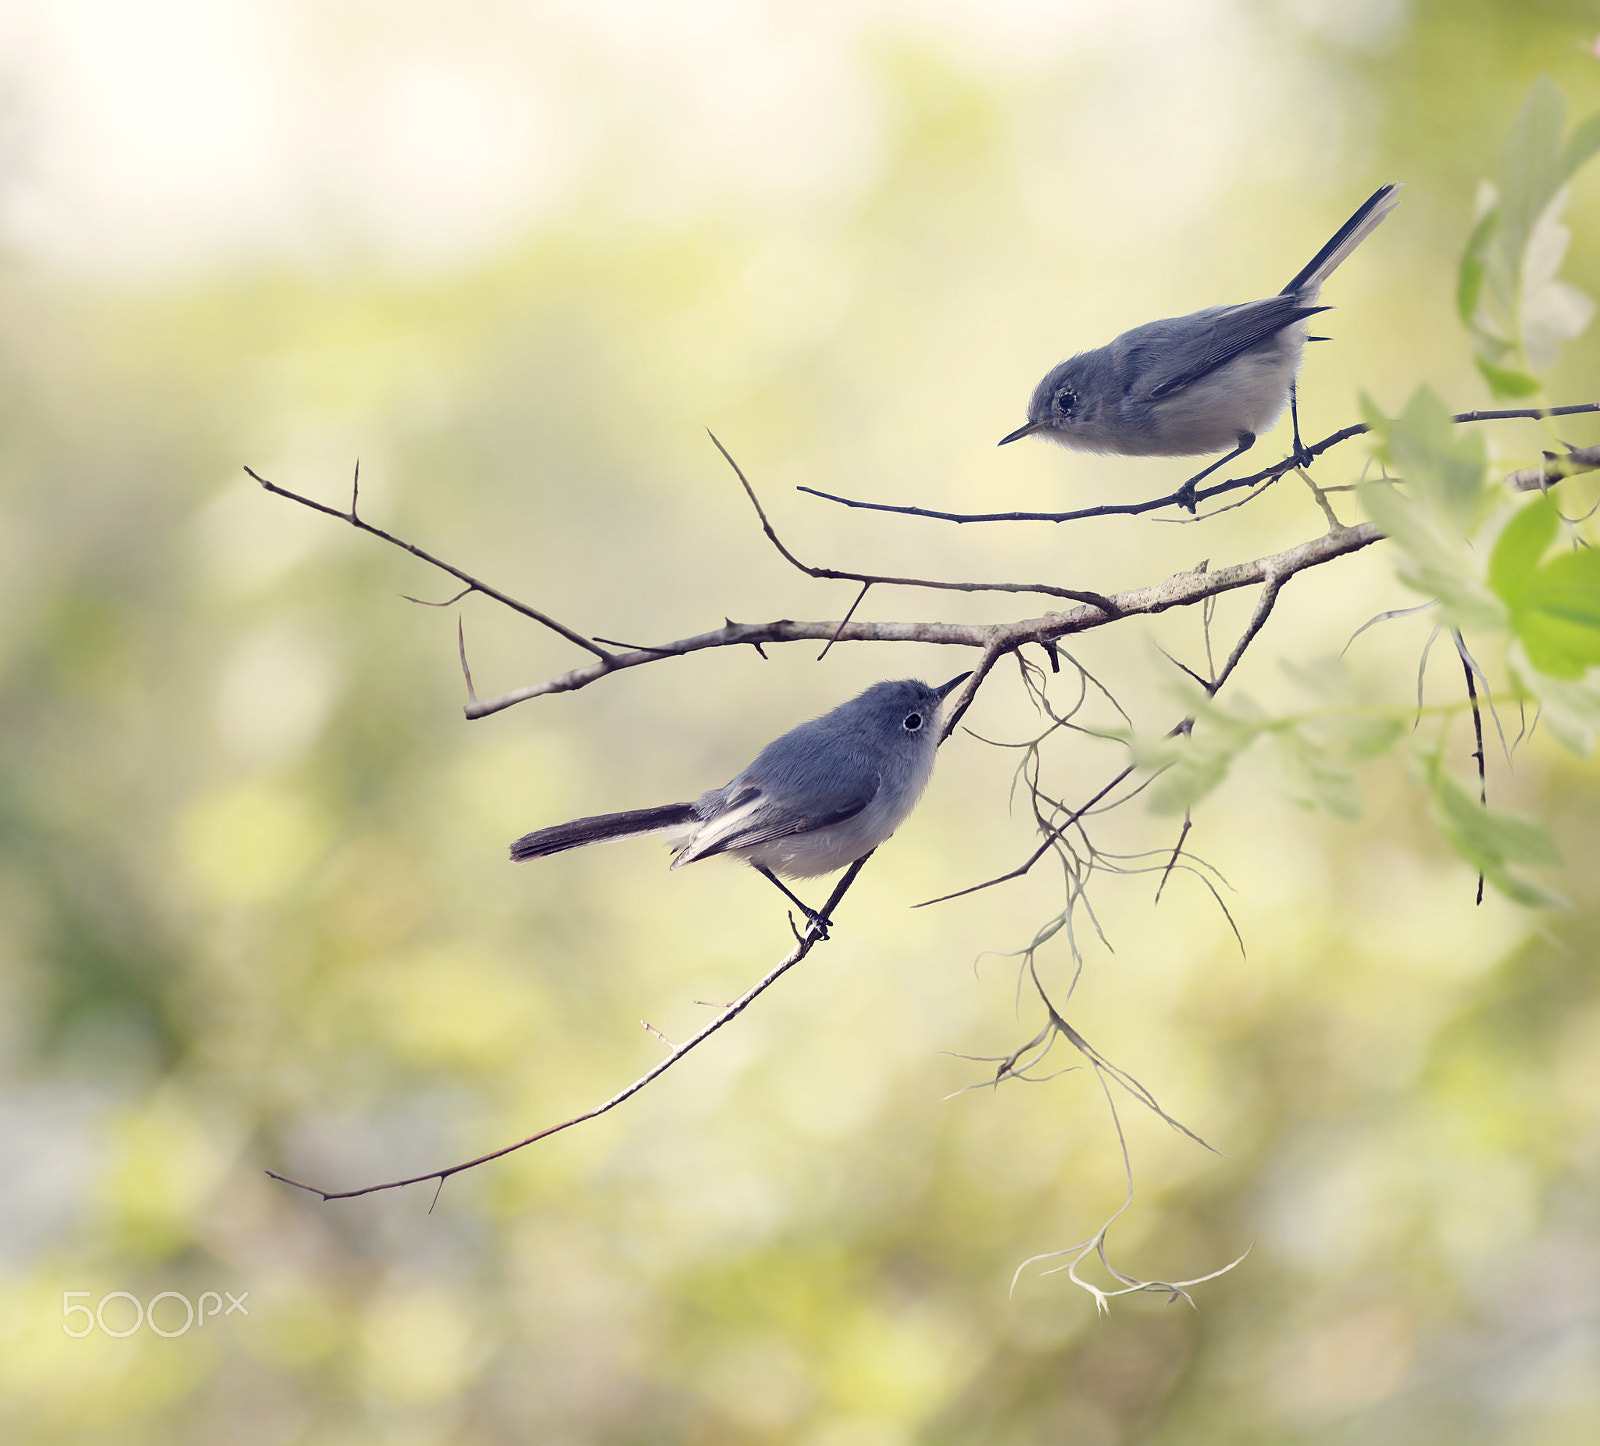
[(1345, 240), (601, 827)]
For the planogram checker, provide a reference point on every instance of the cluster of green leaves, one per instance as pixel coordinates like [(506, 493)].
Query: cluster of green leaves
[(1508, 295), (1316, 748), (1539, 594), (1318, 752), (1535, 602)]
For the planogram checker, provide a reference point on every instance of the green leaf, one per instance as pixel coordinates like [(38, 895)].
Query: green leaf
[(1522, 542), (1491, 839), (1555, 608), (1469, 279), (1314, 779), (1557, 615), (1325, 679), (1520, 891), (1444, 465), (1429, 564), (1581, 145), (1491, 836), (1365, 736), (1550, 311), (1570, 709), (1379, 424), (1507, 292), (1530, 175), (1197, 762), (1506, 383), (1444, 470)]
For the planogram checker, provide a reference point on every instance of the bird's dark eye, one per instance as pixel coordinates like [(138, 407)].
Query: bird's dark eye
[(1066, 400), (912, 722)]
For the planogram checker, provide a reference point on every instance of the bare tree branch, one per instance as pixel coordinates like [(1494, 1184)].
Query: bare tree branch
[(1182, 589), (732, 635)]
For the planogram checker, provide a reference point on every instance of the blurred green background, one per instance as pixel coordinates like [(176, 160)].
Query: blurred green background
[(255, 909)]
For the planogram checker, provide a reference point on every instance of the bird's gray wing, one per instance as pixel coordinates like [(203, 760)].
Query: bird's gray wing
[(752, 818), (1231, 332)]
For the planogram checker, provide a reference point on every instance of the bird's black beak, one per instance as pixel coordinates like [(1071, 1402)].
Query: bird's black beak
[(944, 692), (1020, 432)]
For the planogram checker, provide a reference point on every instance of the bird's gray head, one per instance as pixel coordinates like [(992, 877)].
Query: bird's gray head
[(902, 710), (1057, 404)]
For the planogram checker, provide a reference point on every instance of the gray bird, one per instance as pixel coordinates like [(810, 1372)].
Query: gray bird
[(1199, 383), (820, 797)]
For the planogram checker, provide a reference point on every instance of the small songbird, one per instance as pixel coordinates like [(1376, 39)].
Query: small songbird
[(820, 797), (1199, 383)]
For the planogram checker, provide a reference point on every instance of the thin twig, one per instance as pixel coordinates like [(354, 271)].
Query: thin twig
[(466, 672), (1038, 853), (472, 583), (1177, 853), (1046, 589), (1477, 731), (1274, 582), (448, 602), (865, 588), (807, 941), (1258, 620), (1389, 616)]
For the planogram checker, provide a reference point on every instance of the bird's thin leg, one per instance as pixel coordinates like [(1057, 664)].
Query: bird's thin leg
[(805, 908), (1185, 497), (1302, 453)]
